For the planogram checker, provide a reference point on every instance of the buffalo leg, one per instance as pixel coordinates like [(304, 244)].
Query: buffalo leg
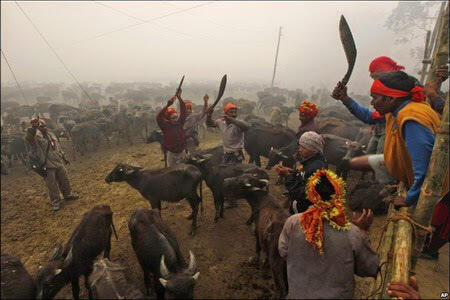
[(217, 206), (278, 273), (75, 287), (194, 202), (255, 259), (108, 247), (258, 160), (147, 281), (86, 285)]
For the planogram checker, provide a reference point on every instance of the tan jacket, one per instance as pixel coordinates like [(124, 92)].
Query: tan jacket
[(37, 147)]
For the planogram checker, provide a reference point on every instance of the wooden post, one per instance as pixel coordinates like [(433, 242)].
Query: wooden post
[(401, 256), (430, 193), (384, 253), (426, 54), (440, 53)]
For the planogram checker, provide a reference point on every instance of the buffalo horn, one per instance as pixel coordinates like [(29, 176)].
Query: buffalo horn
[(163, 269), (192, 263)]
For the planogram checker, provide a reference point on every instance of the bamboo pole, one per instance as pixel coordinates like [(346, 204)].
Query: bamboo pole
[(425, 57), (440, 52), (401, 257), (430, 193), (377, 288)]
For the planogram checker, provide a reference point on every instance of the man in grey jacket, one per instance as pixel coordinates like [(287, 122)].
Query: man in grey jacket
[(322, 249), (45, 150)]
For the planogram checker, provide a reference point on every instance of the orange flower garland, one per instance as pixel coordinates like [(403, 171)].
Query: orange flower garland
[(308, 108), (332, 210)]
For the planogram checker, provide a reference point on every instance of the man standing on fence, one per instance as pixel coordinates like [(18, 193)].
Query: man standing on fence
[(48, 159)]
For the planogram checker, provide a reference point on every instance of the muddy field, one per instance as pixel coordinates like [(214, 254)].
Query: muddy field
[(31, 230)]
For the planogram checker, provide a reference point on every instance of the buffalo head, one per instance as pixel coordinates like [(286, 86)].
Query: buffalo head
[(120, 172), (179, 285), (245, 185), (155, 136)]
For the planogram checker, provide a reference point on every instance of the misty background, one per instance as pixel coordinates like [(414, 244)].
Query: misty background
[(145, 47)]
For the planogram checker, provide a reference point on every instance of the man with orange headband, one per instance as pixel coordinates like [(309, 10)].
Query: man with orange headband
[(172, 128), (232, 131), (47, 159), (411, 126), (307, 111), (323, 250), (191, 125)]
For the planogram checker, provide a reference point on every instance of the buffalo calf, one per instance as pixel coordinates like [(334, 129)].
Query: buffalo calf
[(157, 250), (16, 282)]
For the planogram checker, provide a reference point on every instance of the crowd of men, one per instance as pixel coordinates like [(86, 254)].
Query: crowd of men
[(323, 249)]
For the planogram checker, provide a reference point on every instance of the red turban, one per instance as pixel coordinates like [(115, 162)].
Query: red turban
[(308, 108), (229, 106), (417, 94), (188, 104), (384, 64)]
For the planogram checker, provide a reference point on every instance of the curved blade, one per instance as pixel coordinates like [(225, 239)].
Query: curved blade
[(223, 83), (179, 86), (349, 47)]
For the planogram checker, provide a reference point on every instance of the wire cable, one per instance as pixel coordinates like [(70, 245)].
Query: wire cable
[(142, 22), (54, 52), (17, 82)]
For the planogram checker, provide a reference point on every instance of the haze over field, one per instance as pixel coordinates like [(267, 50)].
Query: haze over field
[(158, 41)]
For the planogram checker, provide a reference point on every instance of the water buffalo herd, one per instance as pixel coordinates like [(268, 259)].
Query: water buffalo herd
[(155, 245)]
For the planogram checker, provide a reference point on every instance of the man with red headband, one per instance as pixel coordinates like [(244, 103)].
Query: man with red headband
[(411, 126), (378, 67), (307, 112), (172, 128), (232, 131), (47, 159), (191, 125)]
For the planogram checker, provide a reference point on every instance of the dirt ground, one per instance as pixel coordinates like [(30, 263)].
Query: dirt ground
[(30, 230)]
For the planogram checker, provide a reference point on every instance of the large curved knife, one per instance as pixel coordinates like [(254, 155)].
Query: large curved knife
[(223, 83), (349, 48)]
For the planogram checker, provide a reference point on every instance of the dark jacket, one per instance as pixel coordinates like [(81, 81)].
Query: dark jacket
[(296, 183), (174, 140)]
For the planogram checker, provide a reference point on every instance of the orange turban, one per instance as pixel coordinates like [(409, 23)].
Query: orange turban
[(229, 106), (188, 104), (308, 108), (170, 111)]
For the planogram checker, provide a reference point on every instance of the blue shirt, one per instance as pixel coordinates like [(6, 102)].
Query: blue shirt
[(419, 144)]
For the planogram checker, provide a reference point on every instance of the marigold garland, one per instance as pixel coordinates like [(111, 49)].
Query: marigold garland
[(331, 210), (308, 108)]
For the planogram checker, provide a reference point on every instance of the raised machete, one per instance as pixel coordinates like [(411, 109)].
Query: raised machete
[(179, 86), (349, 47), (223, 83)]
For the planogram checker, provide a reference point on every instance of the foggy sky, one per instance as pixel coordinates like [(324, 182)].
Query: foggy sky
[(232, 37)]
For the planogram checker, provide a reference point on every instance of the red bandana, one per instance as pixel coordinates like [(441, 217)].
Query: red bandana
[(384, 64), (417, 94)]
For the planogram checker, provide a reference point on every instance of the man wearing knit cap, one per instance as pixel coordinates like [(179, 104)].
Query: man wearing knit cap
[(312, 159), (191, 125), (172, 127), (232, 131), (411, 126)]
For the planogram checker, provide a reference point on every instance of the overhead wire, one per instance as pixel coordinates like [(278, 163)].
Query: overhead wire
[(140, 19), (54, 52), (141, 22), (15, 78)]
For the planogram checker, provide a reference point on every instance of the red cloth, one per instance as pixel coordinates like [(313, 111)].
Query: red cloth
[(170, 111), (440, 217), (417, 94), (384, 64), (174, 140), (188, 104), (376, 115)]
